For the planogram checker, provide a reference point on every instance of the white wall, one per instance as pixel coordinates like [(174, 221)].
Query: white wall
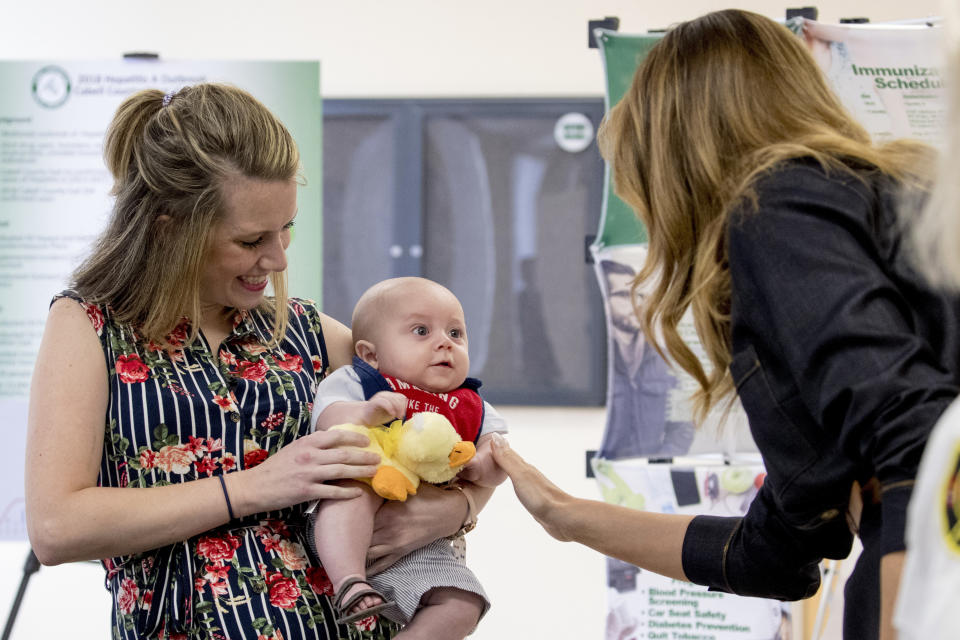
[(380, 47), (416, 48)]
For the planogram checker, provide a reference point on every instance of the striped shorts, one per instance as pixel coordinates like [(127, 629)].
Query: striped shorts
[(434, 565)]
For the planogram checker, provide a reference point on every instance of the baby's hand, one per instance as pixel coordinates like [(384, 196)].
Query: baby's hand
[(482, 470), (383, 407)]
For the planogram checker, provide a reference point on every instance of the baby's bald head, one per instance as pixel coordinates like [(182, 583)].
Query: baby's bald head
[(381, 301)]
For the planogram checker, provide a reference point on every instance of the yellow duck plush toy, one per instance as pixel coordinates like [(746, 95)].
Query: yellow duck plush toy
[(425, 447)]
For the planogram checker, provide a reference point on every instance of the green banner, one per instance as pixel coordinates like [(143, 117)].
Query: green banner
[(621, 54)]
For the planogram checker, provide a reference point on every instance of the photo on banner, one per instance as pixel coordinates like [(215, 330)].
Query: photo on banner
[(54, 196)]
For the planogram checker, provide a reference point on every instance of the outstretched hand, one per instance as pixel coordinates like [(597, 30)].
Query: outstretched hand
[(544, 500)]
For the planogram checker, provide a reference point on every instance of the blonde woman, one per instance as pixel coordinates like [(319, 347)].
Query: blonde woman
[(169, 420), (772, 215)]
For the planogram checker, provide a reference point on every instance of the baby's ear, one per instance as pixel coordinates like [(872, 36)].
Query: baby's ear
[(367, 352)]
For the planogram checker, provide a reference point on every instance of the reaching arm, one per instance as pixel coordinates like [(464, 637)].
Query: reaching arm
[(652, 541), (70, 518)]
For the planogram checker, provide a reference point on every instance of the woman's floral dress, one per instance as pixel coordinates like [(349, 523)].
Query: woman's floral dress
[(176, 417)]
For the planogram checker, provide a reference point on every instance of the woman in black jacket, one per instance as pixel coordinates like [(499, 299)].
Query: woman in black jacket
[(774, 217)]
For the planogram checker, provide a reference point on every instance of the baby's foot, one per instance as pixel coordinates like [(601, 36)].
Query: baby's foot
[(354, 597)]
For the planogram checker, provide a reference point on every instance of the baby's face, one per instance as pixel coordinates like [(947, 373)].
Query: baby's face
[(423, 340)]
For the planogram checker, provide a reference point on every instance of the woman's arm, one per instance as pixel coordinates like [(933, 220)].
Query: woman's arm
[(651, 541), (339, 341), (70, 518)]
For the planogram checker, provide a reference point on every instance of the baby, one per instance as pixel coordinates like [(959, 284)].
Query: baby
[(411, 346)]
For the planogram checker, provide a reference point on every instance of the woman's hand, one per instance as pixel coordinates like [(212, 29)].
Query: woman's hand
[(299, 472), (543, 499)]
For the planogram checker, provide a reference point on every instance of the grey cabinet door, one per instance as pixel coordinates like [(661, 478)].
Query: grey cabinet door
[(478, 196)]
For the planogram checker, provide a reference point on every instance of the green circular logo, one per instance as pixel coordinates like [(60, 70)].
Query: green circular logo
[(51, 87)]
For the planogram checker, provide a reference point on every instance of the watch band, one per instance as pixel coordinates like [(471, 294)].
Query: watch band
[(470, 522)]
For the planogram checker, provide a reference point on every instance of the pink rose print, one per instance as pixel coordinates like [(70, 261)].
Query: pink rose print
[(127, 598), (206, 465), (228, 462), (218, 549), (283, 591), (317, 364), (298, 308), (147, 599), (271, 541), (228, 358), (218, 588), (175, 459), (273, 421), (227, 402), (199, 583), (95, 316), (195, 445), (277, 526), (148, 459), (293, 556), (255, 371), (253, 347), (319, 581), (131, 369), (178, 336), (290, 362), (367, 624), (111, 568)]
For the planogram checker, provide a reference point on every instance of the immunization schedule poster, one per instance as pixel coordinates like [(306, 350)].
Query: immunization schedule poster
[(54, 196), (888, 76)]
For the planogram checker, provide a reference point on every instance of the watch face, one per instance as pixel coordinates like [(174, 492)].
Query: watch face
[(51, 86)]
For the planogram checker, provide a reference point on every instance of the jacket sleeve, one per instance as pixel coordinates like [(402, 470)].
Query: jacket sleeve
[(752, 556), (815, 290)]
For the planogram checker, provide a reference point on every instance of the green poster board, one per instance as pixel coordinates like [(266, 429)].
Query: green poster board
[(54, 196), (621, 53)]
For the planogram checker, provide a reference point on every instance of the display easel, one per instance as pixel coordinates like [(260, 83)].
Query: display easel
[(30, 567)]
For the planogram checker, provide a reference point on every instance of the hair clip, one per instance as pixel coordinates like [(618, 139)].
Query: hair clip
[(168, 97)]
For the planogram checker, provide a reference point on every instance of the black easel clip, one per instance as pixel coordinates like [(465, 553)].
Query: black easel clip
[(810, 13), (610, 22)]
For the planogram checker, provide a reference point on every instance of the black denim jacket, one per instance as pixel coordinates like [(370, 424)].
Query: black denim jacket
[(843, 360)]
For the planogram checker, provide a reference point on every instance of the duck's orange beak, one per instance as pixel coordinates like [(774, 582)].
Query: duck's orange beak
[(462, 453)]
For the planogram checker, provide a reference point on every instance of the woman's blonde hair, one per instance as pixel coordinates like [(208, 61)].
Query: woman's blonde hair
[(716, 103), (170, 158), (936, 230)]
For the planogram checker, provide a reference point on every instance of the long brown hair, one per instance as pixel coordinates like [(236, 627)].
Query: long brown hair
[(169, 163), (716, 103)]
